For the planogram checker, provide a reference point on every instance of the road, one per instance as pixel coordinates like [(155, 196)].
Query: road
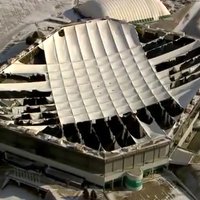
[(190, 24)]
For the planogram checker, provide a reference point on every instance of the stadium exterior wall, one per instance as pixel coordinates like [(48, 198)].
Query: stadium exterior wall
[(94, 169)]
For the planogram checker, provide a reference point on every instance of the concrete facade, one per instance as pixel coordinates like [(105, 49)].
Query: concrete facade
[(97, 170)]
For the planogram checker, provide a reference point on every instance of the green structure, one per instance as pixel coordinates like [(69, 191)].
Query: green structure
[(133, 180)]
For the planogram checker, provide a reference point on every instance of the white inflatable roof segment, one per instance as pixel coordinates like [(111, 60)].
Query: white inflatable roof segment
[(129, 10), (20, 68), (98, 69)]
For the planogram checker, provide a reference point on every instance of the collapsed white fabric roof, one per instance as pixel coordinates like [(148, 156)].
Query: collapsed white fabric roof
[(129, 10), (98, 69)]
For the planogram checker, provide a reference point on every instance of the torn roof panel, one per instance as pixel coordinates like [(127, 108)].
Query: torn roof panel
[(129, 10)]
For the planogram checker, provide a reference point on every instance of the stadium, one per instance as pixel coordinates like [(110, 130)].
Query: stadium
[(100, 101)]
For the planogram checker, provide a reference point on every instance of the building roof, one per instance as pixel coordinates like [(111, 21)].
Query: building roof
[(100, 71), (129, 10), (102, 81)]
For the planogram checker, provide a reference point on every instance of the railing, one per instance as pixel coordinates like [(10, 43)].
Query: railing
[(23, 176)]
